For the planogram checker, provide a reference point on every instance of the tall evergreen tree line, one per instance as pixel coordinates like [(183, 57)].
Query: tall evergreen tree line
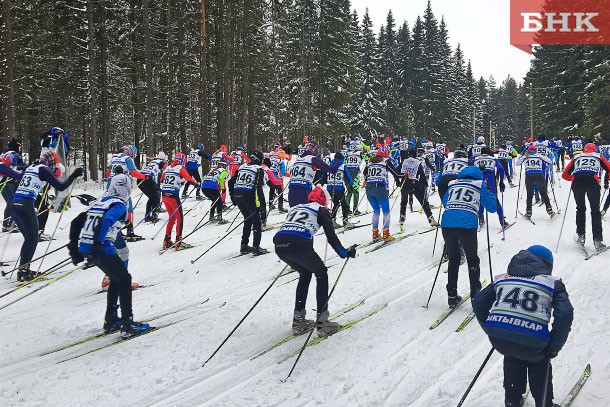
[(167, 74)]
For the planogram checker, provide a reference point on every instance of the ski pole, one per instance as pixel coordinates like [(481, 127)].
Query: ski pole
[(37, 258), (281, 273), (197, 227), (57, 225), (440, 209), (488, 245), (40, 276), (440, 263), (314, 327), (476, 376), (564, 219), (173, 213), (46, 285), (399, 195), (504, 220), (555, 199), (519, 189), (546, 382), (603, 195), (234, 219), (221, 239)]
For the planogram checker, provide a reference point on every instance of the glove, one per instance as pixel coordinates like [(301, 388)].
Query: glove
[(339, 156), (93, 257), (351, 251), (77, 257), (606, 185), (79, 172), (502, 187), (550, 353)]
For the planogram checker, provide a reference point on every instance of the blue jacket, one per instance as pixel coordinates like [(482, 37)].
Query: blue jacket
[(455, 218), (111, 216), (527, 265)]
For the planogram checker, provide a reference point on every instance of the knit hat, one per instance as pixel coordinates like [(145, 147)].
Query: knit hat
[(542, 253)]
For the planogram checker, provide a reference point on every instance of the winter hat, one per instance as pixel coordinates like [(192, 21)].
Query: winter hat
[(481, 139), (542, 253), (589, 148), (180, 158), (531, 147), (318, 195), (50, 159), (130, 150)]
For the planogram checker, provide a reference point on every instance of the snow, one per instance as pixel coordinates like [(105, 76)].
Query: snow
[(389, 359)]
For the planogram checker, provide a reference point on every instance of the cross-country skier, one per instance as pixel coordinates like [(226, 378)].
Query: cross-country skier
[(489, 165), (8, 185), (377, 183), (535, 167), (475, 150), (336, 184), (414, 182), (560, 154), (125, 159), (150, 186), (35, 178), (442, 153), (353, 161), (504, 155), (450, 170), (171, 182), (301, 147), (278, 166), (294, 245), (213, 186), (583, 171), (575, 146), (515, 312), (193, 162), (248, 181), (94, 234), (459, 224), (239, 157), (303, 173)]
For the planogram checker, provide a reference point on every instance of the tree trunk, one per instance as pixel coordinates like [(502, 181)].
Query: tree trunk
[(181, 89), (203, 76), (170, 140), (93, 141), (149, 142), (105, 136), (9, 54)]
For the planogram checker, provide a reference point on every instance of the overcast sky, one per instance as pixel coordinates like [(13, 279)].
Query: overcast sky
[(480, 26)]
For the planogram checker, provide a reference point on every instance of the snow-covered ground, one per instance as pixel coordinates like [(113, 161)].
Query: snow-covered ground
[(389, 359)]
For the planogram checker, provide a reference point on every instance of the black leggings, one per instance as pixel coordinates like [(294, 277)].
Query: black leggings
[(299, 254), (24, 215), (276, 190), (467, 239), (120, 283), (213, 195), (338, 198), (587, 185), (532, 180), (195, 174), (516, 372), (152, 192), (43, 212), (408, 190), (246, 202)]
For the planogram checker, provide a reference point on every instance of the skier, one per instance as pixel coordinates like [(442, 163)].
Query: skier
[(294, 245), (442, 153), (35, 177), (218, 155), (515, 313), (248, 180), (303, 173), (489, 165), (301, 147), (273, 183), (450, 170), (8, 185), (239, 158), (475, 150), (575, 146), (124, 159), (94, 234), (583, 171), (336, 188), (213, 187), (560, 154), (171, 181), (430, 154), (459, 226), (427, 165), (193, 163), (278, 167), (353, 161), (414, 182), (504, 155), (150, 186), (376, 178), (535, 167)]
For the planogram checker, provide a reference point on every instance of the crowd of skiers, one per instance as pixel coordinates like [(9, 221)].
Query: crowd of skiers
[(515, 311)]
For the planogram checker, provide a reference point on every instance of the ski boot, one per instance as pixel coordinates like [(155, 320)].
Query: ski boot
[(503, 223), (376, 237), (220, 220), (387, 237), (212, 218), (199, 197), (245, 249), (180, 245), (599, 245), (112, 322), (519, 403), (581, 240), (475, 290), (528, 215), (257, 251), (324, 326), (432, 221), (453, 299), (282, 210), (357, 212), (401, 223), (25, 274), (550, 212), (335, 224), (132, 237), (43, 237), (300, 325), (130, 328), (537, 197), (346, 223), (167, 242)]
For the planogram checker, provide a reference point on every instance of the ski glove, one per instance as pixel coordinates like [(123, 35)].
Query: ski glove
[(77, 257), (79, 172), (502, 187), (93, 257), (351, 251)]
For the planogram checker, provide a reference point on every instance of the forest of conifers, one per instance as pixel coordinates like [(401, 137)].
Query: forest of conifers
[(168, 74)]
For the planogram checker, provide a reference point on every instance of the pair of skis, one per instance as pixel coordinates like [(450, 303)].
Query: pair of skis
[(588, 255), (450, 311), (397, 237)]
